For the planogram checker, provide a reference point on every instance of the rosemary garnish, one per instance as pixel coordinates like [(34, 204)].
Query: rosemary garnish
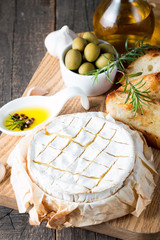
[(14, 123), (18, 121), (136, 95)]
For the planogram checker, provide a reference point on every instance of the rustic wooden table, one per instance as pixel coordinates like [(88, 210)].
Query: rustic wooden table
[(23, 27)]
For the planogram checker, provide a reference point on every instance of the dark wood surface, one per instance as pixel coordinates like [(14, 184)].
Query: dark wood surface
[(23, 27)]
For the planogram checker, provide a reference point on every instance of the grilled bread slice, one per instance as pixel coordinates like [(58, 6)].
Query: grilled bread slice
[(152, 81), (149, 63), (148, 124)]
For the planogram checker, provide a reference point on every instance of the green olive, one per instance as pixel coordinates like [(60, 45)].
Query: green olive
[(102, 61), (90, 37), (91, 52), (86, 67), (73, 59), (106, 48), (79, 44)]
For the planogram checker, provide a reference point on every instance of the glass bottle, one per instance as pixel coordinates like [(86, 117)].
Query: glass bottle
[(116, 20)]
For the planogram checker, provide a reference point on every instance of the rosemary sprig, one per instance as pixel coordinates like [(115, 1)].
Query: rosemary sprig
[(14, 123), (18, 121), (134, 91), (135, 94)]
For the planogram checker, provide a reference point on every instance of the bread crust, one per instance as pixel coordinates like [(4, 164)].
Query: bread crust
[(147, 64), (148, 123), (149, 56), (152, 81)]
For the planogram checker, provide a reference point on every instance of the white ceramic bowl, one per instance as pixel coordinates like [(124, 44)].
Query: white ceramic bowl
[(53, 103), (85, 82)]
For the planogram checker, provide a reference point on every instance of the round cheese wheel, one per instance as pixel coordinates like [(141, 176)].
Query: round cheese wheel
[(82, 169), (81, 158)]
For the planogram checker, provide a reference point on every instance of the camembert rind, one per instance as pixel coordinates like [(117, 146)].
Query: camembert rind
[(82, 158), (66, 192)]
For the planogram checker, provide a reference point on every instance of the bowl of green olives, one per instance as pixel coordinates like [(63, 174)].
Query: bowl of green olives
[(82, 56)]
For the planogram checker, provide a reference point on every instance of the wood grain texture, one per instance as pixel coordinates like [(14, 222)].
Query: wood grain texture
[(6, 46), (23, 26), (78, 17), (33, 22), (15, 226)]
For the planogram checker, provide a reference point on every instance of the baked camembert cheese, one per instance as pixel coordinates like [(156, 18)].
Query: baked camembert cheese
[(82, 169)]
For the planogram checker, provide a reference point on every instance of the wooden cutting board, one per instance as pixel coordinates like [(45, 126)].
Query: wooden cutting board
[(147, 226)]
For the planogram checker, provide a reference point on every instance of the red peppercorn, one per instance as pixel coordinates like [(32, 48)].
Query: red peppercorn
[(30, 120)]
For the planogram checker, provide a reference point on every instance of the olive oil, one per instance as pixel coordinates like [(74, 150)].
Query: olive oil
[(116, 20), (38, 113)]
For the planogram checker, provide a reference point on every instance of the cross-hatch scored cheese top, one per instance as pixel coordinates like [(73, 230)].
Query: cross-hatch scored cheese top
[(82, 159)]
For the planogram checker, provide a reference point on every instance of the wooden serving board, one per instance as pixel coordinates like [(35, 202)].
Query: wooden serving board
[(147, 226)]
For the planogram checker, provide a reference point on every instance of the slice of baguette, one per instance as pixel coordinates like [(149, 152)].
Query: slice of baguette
[(149, 63), (152, 81), (148, 124)]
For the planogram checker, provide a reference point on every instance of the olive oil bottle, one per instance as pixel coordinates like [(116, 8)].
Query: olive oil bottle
[(116, 20)]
